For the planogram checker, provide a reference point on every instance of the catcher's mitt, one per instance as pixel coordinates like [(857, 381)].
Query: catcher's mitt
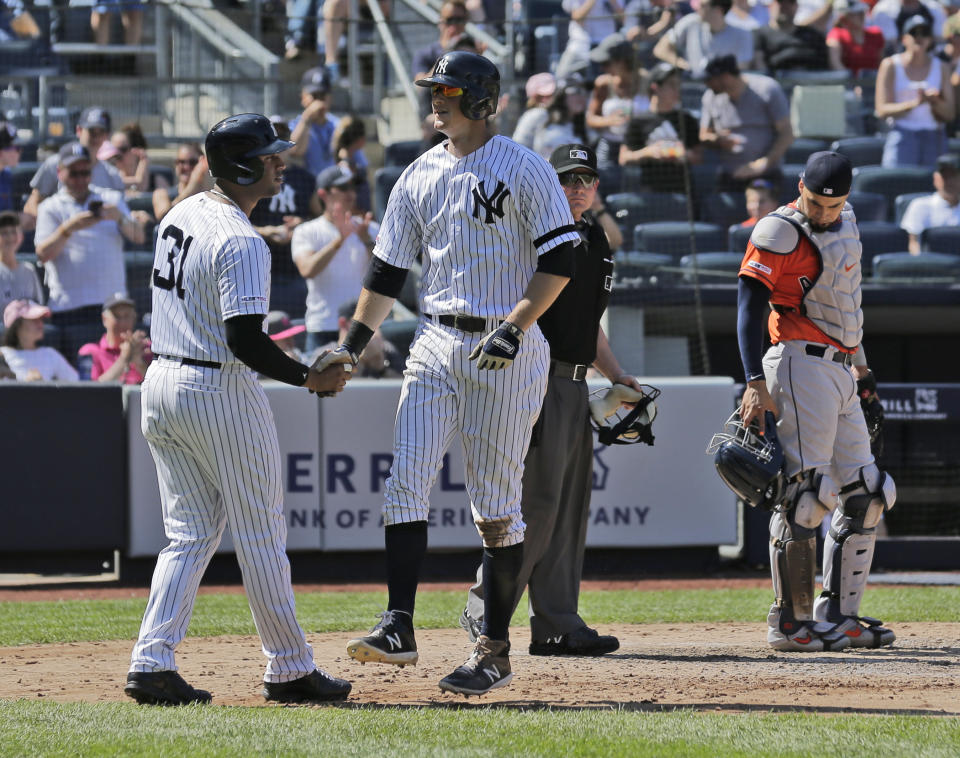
[(872, 411)]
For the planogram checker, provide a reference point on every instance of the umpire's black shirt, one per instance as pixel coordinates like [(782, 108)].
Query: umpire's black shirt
[(572, 322)]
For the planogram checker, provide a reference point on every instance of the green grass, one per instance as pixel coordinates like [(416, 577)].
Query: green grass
[(75, 620), (35, 729)]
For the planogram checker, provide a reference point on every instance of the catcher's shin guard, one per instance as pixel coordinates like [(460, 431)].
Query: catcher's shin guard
[(793, 546), (848, 548)]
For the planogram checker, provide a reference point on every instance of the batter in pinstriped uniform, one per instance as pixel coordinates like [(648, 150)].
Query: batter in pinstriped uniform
[(496, 238), (209, 425)]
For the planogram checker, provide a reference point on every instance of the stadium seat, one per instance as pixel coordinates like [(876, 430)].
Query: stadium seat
[(737, 238), (941, 239), (711, 268), (633, 208), (723, 208), (401, 153), (891, 182), (139, 268), (801, 148), (868, 206), (383, 182), (788, 185), (141, 202), (862, 151), (901, 202), (678, 238), (164, 171), (878, 237), (289, 293), (643, 267), (926, 268)]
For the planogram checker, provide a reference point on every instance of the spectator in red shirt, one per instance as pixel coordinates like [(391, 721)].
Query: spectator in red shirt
[(852, 44), (123, 353)]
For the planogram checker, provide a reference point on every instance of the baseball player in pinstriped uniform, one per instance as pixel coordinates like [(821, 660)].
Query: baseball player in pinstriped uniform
[(209, 425), (497, 240), (804, 261)]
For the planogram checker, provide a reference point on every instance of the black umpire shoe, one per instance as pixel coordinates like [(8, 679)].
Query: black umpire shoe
[(163, 688), (487, 669), (390, 641), (317, 686), (582, 641)]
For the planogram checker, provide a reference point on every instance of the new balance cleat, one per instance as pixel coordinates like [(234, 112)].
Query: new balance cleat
[(390, 641), (487, 669), (582, 641)]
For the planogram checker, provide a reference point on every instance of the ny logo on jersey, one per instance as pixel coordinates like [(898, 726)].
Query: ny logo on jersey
[(492, 204)]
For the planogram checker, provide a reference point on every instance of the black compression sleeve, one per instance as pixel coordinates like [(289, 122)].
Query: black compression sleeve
[(247, 340), (384, 278), (752, 299), (560, 260)]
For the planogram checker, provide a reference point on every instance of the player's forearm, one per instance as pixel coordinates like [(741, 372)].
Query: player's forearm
[(247, 340), (752, 299), (372, 308), (540, 294)]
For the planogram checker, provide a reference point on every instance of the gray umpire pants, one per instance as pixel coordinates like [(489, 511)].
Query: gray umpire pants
[(555, 501)]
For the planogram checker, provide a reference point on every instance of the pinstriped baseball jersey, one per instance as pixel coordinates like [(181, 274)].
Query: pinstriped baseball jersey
[(210, 265), (480, 222)]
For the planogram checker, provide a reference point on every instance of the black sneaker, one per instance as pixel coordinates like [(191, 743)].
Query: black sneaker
[(317, 686), (390, 641), (487, 669), (582, 641), (163, 688), (470, 625)]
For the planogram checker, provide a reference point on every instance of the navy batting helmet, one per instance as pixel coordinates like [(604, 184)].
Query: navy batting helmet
[(473, 73), (233, 145), (750, 465)]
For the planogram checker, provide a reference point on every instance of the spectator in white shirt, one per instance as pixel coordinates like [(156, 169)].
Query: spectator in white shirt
[(591, 21), (942, 208), (698, 37), (18, 280), (23, 324)]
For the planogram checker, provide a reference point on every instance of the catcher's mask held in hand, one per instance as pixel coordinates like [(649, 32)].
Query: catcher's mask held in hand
[(617, 425), (750, 465)]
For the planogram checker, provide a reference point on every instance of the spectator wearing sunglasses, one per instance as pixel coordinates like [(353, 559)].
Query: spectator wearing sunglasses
[(915, 96), (79, 240), (891, 16), (451, 25), (127, 151), (92, 130), (192, 177)]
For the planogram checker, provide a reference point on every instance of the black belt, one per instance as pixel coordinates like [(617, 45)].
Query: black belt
[(838, 355), (191, 361), (463, 323), (564, 370)]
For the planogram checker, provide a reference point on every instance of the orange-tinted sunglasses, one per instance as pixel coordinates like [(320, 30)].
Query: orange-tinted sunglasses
[(446, 91)]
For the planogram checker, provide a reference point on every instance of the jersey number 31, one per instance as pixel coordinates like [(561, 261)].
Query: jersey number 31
[(176, 255)]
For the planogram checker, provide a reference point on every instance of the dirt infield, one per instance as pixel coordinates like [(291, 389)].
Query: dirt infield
[(658, 666)]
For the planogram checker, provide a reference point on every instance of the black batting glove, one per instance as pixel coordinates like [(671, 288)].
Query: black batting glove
[(498, 349)]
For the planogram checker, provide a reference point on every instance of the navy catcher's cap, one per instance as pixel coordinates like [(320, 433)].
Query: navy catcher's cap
[(828, 173), (569, 157), (71, 153)]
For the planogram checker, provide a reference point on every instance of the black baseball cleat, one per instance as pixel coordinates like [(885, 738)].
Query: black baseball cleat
[(582, 641), (470, 625), (487, 669), (163, 688), (316, 687), (390, 641)]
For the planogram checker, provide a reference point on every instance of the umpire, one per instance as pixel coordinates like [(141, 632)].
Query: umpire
[(555, 507)]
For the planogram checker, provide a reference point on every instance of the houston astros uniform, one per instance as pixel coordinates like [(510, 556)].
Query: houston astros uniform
[(811, 276)]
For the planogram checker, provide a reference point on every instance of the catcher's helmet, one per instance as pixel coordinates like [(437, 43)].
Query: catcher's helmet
[(476, 75), (233, 145), (750, 465), (617, 425)]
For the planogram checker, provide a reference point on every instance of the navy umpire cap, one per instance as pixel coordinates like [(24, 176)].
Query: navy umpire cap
[(475, 75), (234, 145), (828, 173)]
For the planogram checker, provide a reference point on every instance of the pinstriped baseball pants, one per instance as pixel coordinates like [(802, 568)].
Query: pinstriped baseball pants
[(214, 441), (445, 394)]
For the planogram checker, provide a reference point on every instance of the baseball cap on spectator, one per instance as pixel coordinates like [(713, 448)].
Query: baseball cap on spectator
[(23, 309), (569, 157), (316, 81), (662, 71), (828, 173), (852, 6), (279, 326), (915, 22), (948, 163), (541, 85), (71, 153), (335, 176), (107, 151), (8, 135), (722, 64), (94, 118), (118, 298)]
